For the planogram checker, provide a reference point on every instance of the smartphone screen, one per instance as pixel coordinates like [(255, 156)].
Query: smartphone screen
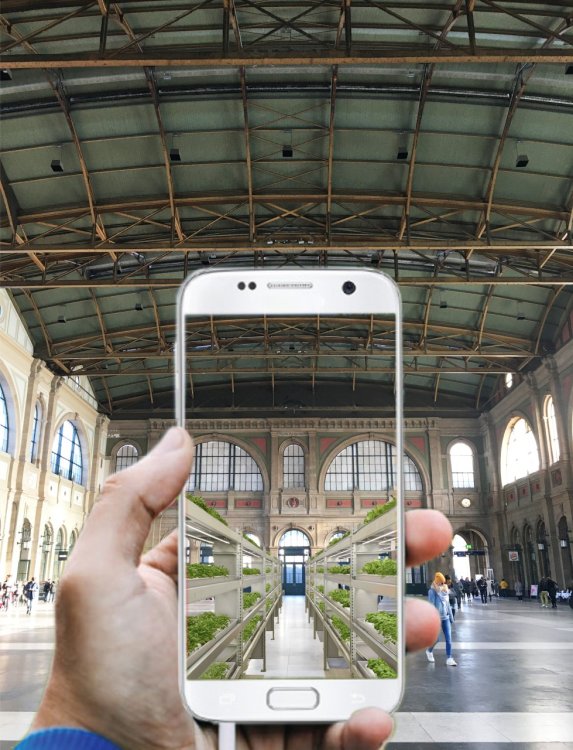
[(291, 553)]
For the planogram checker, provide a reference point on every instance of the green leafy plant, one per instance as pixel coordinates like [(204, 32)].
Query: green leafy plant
[(202, 628), (252, 541), (339, 570), (380, 510), (381, 669), (321, 606), (386, 623), (268, 569), (202, 504), (342, 596), (320, 588), (320, 568), (269, 603), (341, 627), (381, 567), (338, 539), (251, 571), (267, 587), (217, 671), (205, 570), (250, 627), (250, 599)]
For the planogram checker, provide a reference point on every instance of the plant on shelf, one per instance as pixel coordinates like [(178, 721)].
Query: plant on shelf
[(202, 504), (205, 570), (202, 628), (250, 599), (250, 627), (381, 669), (321, 606), (251, 540), (342, 596), (339, 570), (380, 510), (385, 567), (267, 587), (386, 623), (268, 569), (320, 588), (338, 538), (320, 568), (251, 571), (268, 604), (341, 627), (217, 671)]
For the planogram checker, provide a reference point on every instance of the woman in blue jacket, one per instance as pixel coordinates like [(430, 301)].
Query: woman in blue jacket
[(438, 596)]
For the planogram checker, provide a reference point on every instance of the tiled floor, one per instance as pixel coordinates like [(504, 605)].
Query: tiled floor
[(512, 688)]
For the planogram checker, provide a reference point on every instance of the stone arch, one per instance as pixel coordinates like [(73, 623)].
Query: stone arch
[(46, 550), (330, 535), (25, 541), (59, 545), (280, 534), (475, 536), (565, 551)]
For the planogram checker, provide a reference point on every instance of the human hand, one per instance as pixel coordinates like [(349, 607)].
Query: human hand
[(115, 665)]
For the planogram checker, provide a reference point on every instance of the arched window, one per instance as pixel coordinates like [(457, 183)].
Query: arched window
[(370, 465), (294, 538), (337, 535), (551, 425), (127, 455), (521, 454), (293, 466), (255, 538), (35, 439), (67, 453), (4, 422), (220, 466), (462, 465)]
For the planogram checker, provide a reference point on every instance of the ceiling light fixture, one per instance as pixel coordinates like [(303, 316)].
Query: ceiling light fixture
[(287, 144), (5, 74), (521, 159), (62, 314), (56, 165)]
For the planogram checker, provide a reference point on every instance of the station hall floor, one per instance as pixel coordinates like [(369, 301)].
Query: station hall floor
[(512, 688)]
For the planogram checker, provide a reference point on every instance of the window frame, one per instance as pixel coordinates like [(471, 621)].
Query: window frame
[(4, 426), (36, 429), (356, 460), (551, 431), (301, 474), (231, 459), (463, 485), (120, 465), (75, 469), (507, 450)]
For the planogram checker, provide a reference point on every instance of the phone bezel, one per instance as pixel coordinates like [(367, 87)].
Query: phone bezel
[(245, 701)]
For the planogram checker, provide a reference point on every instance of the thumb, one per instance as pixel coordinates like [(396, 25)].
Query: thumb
[(120, 520)]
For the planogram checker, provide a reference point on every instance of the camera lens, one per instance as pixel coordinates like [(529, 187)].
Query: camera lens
[(349, 287), (241, 285)]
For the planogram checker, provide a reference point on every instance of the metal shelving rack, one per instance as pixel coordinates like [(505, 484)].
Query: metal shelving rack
[(365, 642), (231, 550)]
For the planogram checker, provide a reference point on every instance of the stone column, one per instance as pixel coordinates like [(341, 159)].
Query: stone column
[(437, 495)]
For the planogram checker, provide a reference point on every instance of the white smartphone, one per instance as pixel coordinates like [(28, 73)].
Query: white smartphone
[(245, 608)]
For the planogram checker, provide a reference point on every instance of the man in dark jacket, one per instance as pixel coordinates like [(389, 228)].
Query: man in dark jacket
[(543, 592), (482, 586), (552, 591)]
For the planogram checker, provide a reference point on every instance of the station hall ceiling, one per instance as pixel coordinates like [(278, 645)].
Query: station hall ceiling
[(430, 140)]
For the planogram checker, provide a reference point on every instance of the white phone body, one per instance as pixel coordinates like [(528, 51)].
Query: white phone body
[(290, 292)]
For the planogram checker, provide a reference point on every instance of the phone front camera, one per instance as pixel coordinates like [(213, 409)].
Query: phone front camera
[(252, 285), (241, 285), (349, 287)]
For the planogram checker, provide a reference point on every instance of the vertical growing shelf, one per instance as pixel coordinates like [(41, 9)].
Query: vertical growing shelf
[(231, 604), (342, 599)]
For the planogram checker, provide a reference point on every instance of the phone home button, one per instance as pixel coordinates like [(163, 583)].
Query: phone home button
[(292, 699)]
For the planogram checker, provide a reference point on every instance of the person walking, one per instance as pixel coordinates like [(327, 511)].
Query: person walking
[(503, 586), (30, 592), (519, 590), (46, 590), (451, 596), (467, 587), (543, 593), (52, 591), (459, 592), (482, 588), (439, 597), (552, 591), (489, 585)]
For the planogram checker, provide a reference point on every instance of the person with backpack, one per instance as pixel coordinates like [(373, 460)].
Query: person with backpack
[(31, 593)]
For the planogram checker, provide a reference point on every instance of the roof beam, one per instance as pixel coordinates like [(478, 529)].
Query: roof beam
[(12, 211), (334, 78), (328, 59), (248, 162)]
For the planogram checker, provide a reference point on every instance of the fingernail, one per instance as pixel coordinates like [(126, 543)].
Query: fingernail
[(171, 441)]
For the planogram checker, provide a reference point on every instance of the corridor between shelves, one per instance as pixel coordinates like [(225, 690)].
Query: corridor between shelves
[(294, 652)]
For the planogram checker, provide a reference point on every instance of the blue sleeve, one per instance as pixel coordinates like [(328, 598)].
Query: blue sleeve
[(63, 738), (432, 597)]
